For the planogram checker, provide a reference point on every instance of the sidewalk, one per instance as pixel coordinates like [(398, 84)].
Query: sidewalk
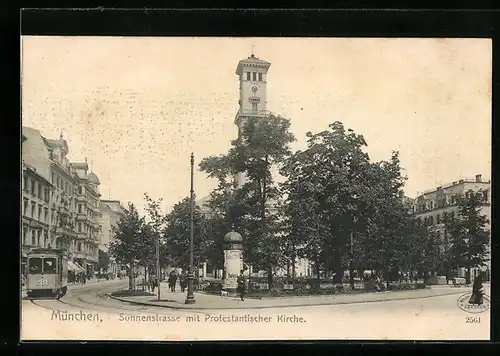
[(208, 301)]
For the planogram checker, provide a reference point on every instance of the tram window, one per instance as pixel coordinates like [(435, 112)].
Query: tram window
[(49, 265), (35, 265)]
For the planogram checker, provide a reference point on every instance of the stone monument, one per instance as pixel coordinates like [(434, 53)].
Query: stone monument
[(233, 260)]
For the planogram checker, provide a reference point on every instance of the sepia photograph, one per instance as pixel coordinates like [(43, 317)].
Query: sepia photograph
[(255, 188)]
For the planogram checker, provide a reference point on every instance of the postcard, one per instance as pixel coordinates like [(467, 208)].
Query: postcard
[(187, 189)]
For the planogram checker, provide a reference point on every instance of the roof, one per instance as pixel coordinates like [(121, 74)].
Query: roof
[(233, 236), (76, 165), (33, 171), (57, 144), (252, 61), (93, 178)]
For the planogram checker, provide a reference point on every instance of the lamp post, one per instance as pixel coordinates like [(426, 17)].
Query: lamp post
[(190, 296)]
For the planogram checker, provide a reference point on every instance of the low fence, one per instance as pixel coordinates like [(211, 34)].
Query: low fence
[(284, 287)]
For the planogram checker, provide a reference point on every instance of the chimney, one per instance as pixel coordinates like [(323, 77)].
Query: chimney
[(454, 183), (478, 178), (461, 181)]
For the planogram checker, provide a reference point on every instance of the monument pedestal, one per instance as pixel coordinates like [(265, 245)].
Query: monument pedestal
[(233, 261), (230, 285)]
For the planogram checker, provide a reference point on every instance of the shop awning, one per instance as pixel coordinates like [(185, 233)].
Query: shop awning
[(78, 267), (72, 267)]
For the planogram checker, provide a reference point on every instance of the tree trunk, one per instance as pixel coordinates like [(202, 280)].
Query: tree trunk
[(338, 269), (131, 277), (270, 277), (351, 274)]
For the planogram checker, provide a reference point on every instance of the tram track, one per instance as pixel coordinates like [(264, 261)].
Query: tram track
[(79, 299)]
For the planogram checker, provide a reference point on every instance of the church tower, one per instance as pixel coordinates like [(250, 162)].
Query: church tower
[(252, 73)]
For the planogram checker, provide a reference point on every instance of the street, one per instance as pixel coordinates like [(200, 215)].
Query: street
[(85, 313)]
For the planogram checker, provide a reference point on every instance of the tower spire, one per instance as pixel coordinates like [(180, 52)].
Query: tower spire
[(61, 135), (253, 48)]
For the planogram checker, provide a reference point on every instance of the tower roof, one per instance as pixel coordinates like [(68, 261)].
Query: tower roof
[(93, 178), (252, 61), (233, 236)]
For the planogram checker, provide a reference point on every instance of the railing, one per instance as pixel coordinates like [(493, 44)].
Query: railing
[(254, 112)]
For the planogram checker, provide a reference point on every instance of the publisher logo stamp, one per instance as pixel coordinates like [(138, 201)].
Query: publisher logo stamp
[(463, 303)]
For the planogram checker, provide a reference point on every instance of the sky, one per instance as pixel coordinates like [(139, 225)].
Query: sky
[(138, 106)]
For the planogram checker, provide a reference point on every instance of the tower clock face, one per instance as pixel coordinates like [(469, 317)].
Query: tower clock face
[(254, 88)]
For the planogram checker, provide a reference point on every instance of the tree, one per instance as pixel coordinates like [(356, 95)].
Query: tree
[(156, 226), (345, 210), (469, 233), (263, 142), (103, 260), (177, 233), (385, 215), (129, 244), (322, 189)]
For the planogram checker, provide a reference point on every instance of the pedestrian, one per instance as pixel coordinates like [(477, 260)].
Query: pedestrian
[(171, 281), (241, 286), (153, 283), (174, 281), (477, 296), (183, 281)]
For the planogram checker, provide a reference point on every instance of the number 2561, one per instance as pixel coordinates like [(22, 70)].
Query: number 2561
[(472, 320)]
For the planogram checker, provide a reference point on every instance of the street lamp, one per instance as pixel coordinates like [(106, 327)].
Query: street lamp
[(158, 277), (190, 297)]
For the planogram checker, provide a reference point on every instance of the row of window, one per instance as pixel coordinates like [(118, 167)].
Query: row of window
[(438, 219), (254, 76), (40, 238), (41, 213), (83, 210), (35, 211), (62, 183), (440, 203), (36, 188), (35, 237)]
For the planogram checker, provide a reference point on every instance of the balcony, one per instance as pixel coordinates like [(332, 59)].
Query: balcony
[(243, 114), (64, 209), (79, 254), (94, 209), (65, 231)]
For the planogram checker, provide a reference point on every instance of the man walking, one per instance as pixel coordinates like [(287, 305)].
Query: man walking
[(183, 281), (154, 283), (172, 280), (241, 286)]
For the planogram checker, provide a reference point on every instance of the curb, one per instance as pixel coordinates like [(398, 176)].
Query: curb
[(278, 306)]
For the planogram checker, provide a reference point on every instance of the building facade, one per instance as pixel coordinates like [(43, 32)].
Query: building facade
[(437, 206), (35, 216), (51, 187), (88, 228), (111, 212)]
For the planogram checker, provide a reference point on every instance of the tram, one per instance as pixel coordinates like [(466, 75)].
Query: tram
[(47, 273)]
